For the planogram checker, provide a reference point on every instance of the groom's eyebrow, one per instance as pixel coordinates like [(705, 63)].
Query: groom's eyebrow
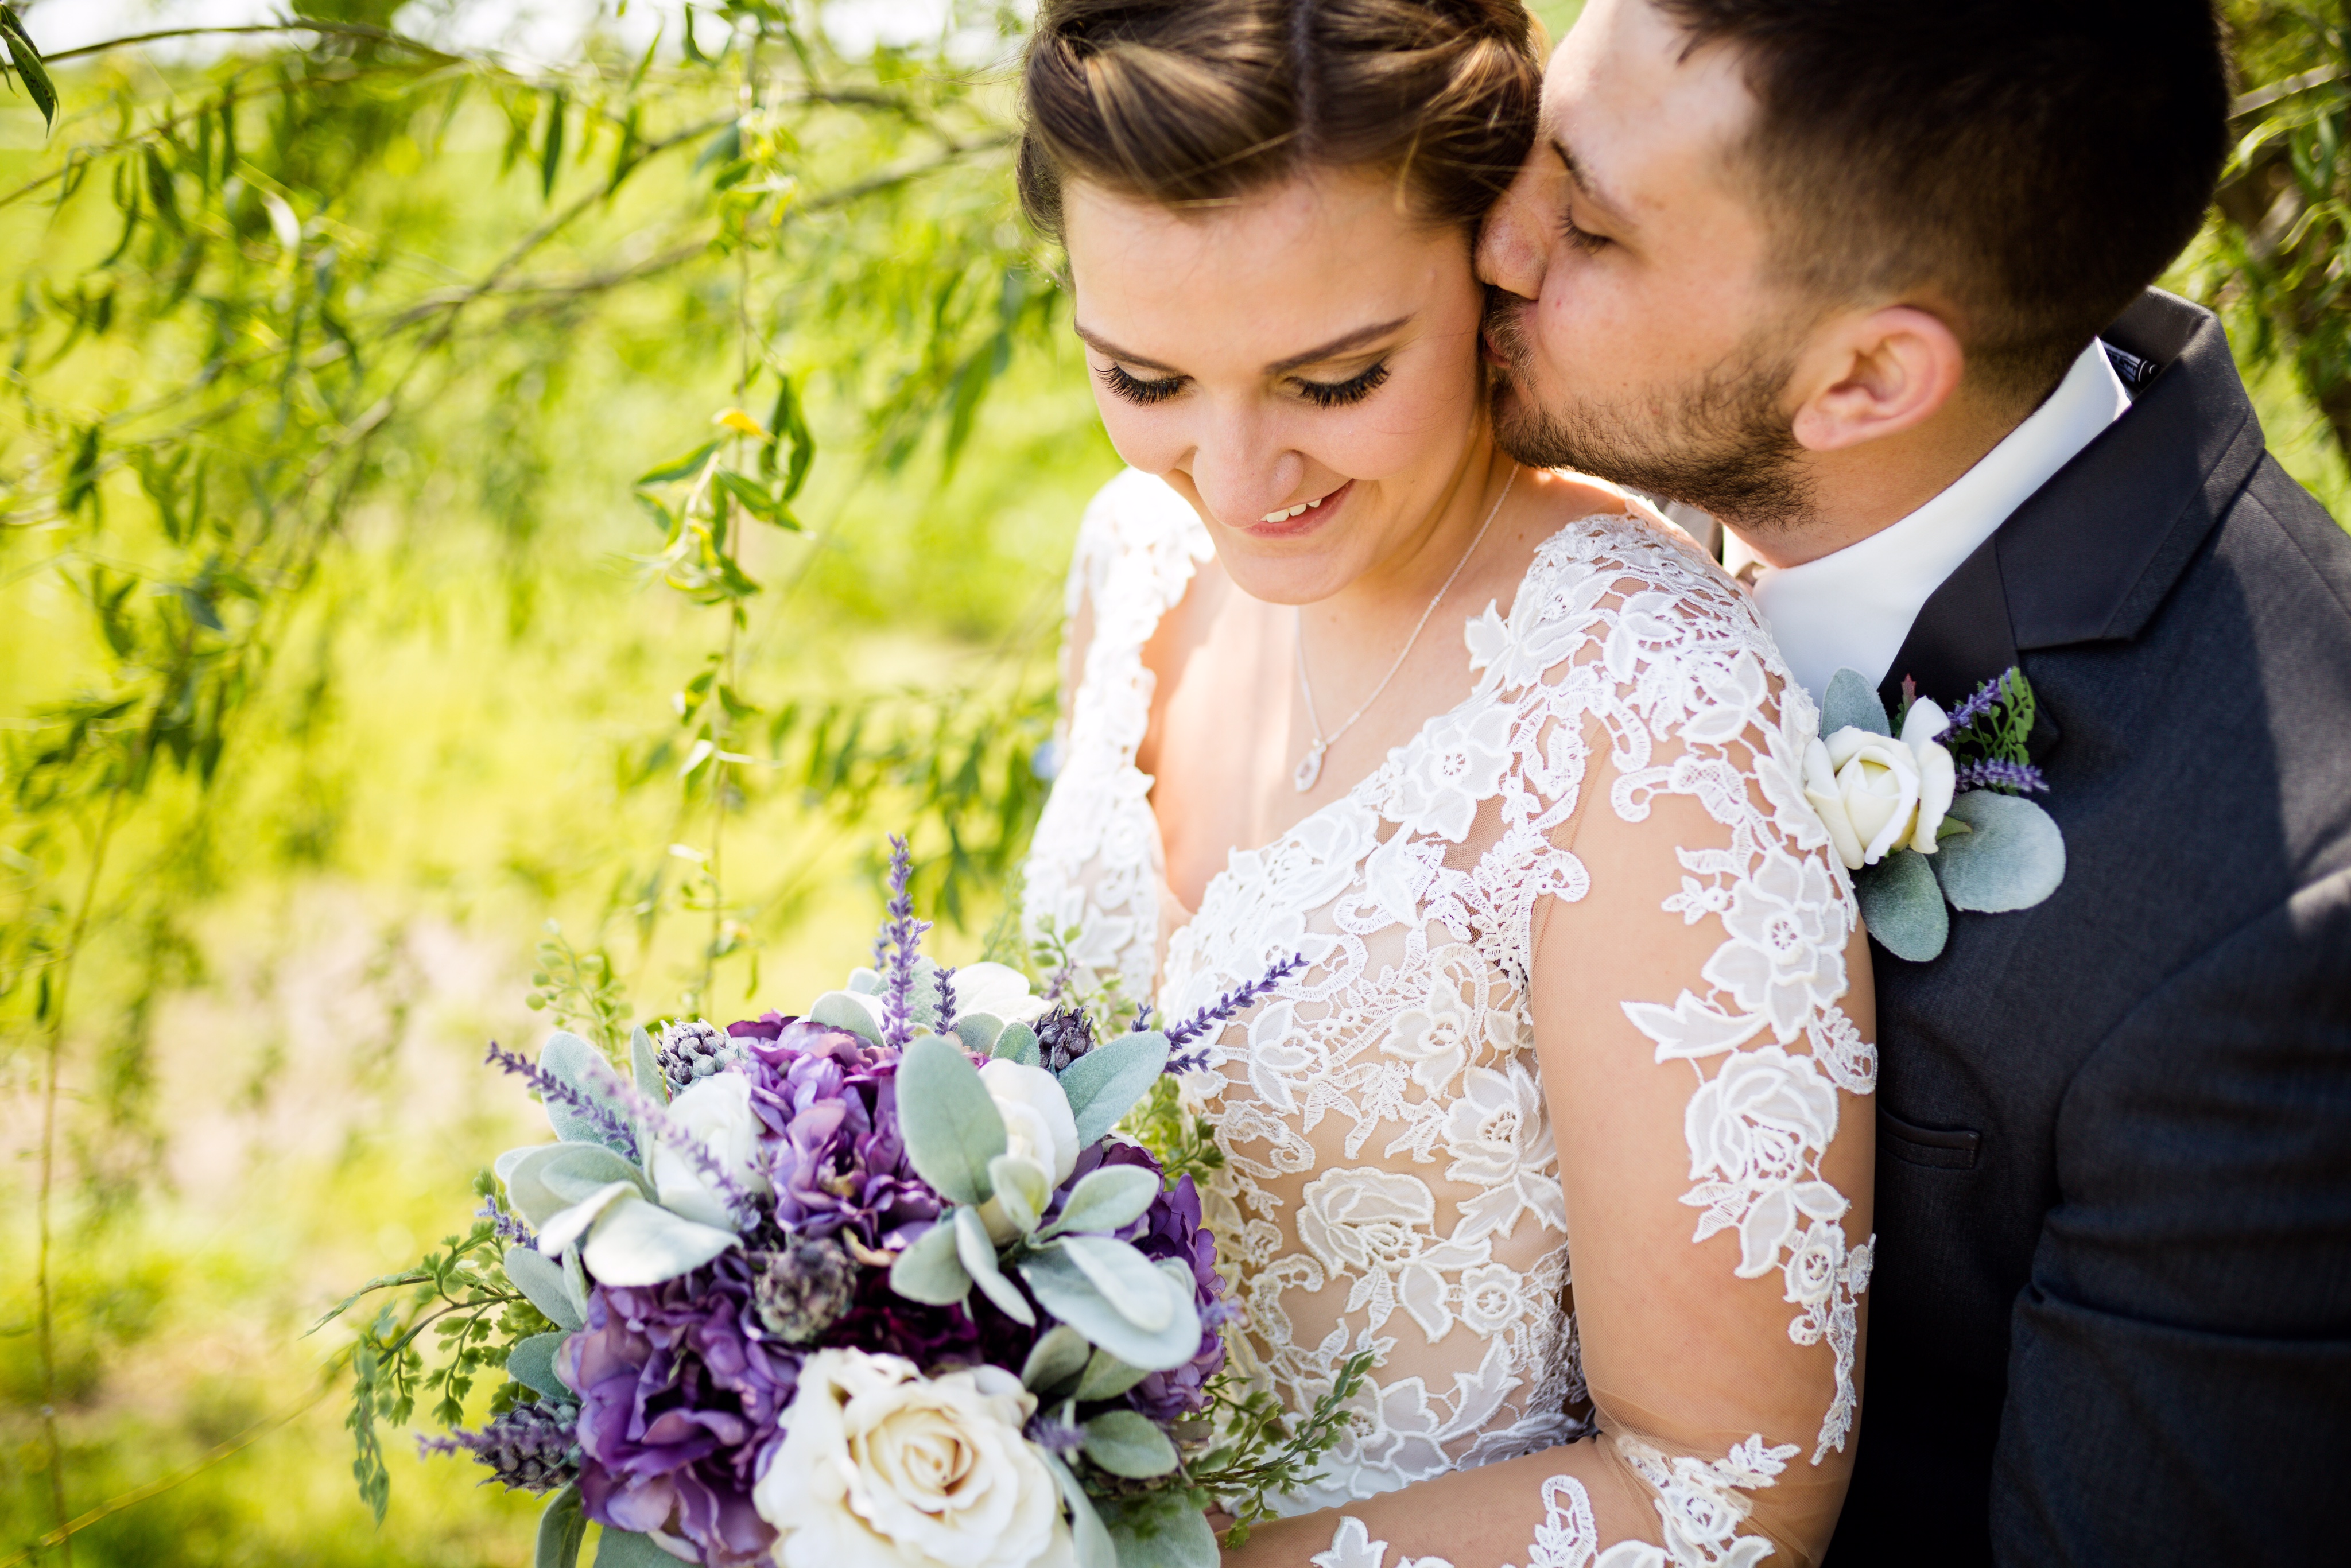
[(1584, 183)]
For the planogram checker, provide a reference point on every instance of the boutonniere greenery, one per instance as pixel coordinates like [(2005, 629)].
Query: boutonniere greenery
[(1927, 807)]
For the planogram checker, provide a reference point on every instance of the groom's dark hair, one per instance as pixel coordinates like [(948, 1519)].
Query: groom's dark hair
[(2034, 164)]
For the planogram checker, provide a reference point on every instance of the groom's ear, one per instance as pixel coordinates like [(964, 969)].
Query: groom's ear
[(1874, 375)]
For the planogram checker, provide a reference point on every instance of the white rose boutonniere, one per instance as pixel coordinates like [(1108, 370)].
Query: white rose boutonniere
[(1937, 814), (1877, 793), (883, 1467)]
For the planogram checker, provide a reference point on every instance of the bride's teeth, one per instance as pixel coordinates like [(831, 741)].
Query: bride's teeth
[(1289, 512)]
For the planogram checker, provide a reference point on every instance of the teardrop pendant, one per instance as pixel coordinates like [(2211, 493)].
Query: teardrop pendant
[(1309, 768)]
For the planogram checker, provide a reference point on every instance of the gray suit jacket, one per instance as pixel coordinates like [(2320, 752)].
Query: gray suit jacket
[(2111, 1320)]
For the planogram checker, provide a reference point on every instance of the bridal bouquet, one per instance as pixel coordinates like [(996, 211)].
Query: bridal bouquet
[(875, 1285)]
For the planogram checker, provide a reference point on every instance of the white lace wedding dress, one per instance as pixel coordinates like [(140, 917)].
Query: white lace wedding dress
[(1393, 1182)]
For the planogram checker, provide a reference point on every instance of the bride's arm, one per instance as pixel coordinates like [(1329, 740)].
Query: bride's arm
[(1700, 1016)]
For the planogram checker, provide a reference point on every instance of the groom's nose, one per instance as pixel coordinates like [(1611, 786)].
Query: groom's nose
[(1510, 246)]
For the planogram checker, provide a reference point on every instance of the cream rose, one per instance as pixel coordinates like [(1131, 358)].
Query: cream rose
[(995, 988), (1037, 1130), (883, 1467), (1877, 794), (716, 1113)]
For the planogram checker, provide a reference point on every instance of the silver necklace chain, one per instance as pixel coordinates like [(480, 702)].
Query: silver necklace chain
[(1310, 769)]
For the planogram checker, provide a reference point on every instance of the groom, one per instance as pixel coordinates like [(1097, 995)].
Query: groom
[(1867, 280)]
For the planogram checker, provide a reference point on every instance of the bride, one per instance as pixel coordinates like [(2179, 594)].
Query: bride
[(1564, 1117)]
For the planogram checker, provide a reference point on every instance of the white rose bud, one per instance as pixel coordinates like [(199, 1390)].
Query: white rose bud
[(1038, 1128), (883, 1467), (1877, 795), (715, 1112)]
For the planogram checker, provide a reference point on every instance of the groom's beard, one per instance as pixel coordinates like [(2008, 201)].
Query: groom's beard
[(1722, 445)]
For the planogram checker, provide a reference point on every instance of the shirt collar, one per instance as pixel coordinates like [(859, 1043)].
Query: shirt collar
[(1852, 609)]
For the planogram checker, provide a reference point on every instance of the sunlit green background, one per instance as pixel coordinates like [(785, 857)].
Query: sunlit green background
[(462, 725)]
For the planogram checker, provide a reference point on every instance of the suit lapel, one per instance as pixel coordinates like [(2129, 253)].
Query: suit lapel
[(2090, 555)]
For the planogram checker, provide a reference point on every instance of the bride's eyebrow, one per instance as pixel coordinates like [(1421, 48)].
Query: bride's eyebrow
[(1108, 349), (1336, 347)]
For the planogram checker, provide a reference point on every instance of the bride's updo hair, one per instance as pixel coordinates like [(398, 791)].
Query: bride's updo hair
[(1192, 103)]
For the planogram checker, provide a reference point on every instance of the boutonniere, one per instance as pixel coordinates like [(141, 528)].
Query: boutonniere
[(1930, 807)]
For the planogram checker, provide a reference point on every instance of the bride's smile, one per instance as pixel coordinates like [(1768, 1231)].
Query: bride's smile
[(1299, 363)]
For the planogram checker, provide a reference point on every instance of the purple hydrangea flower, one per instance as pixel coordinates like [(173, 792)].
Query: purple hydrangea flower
[(682, 1397), (830, 1103)]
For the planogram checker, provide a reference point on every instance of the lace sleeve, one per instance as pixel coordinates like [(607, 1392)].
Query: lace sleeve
[(1701, 1011), (1094, 864)]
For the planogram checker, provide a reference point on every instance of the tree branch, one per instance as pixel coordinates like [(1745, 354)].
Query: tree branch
[(294, 24)]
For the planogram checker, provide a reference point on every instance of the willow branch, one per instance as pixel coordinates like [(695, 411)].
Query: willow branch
[(295, 24)]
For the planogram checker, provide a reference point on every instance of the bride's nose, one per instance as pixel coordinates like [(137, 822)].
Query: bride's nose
[(1242, 472)]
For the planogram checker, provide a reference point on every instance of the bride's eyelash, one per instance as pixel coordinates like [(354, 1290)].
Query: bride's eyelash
[(1136, 390), (1340, 394)]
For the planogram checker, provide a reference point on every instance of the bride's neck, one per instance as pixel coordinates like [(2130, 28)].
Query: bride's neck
[(1404, 580)]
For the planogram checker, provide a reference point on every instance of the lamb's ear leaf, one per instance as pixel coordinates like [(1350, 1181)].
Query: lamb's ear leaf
[(1104, 1084), (949, 1121), (1158, 1530), (1125, 1443), (929, 1272), (1064, 1289), (1107, 1377), (639, 1243), (1903, 905), (575, 1279), (1095, 1549), (545, 1180), (1022, 1187), (976, 1253), (649, 1081), (1125, 1277), (579, 1066), (1852, 700), (2012, 858), (532, 1364), (1060, 1355), (1017, 1044), (562, 1526), (1110, 1197), (629, 1549), (841, 1009), (979, 1032), (540, 1277)]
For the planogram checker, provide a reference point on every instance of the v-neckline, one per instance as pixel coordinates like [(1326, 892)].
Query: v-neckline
[(1379, 769)]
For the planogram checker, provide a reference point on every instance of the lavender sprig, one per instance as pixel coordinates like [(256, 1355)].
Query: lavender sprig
[(1222, 1010), (553, 1088), (1993, 773), (945, 981), (1063, 1439), (504, 1224), (1976, 706), (903, 934), (689, 1148)]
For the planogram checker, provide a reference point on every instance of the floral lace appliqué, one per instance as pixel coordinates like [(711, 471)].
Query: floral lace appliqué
[(1392, 1177)]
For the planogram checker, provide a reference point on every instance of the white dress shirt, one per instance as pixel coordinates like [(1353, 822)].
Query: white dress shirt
[(1851, 610)]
